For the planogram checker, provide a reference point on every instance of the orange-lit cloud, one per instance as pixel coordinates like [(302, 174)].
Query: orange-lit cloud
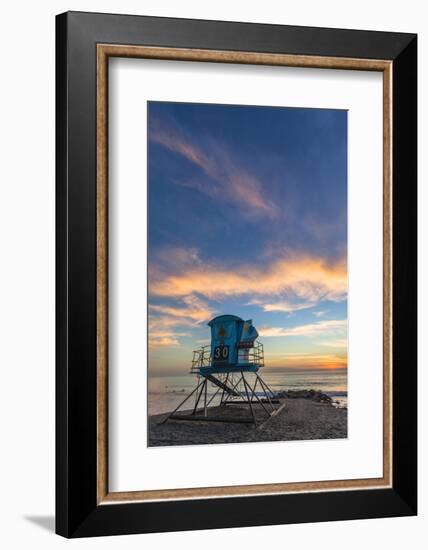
[(163, 333), (227, 179), (309, 278), (163, 342), (164, 320), (193, 309)]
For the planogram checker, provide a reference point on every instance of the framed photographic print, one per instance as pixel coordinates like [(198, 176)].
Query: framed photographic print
[(236, 274)]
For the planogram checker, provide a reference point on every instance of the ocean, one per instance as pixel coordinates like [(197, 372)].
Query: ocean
[(165, 393)]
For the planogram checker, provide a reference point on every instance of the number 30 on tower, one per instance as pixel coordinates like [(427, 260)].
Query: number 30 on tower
[(221, 353)]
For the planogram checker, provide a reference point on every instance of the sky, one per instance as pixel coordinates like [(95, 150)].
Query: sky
[(247, 210)]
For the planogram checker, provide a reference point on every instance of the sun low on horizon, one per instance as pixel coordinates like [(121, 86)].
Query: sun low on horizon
[(247, 210)]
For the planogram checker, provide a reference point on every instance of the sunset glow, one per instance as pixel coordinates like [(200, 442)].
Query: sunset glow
[(247, 215)]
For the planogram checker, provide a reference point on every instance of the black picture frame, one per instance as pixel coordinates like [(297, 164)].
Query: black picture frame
[(77, 511)]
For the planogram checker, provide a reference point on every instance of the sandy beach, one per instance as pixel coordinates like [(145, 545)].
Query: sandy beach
[(299, 419)]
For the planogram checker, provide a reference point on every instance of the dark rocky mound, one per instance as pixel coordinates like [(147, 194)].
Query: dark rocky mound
[(315, 395)]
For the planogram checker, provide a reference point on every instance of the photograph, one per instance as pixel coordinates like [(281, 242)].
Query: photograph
[(247, 273)]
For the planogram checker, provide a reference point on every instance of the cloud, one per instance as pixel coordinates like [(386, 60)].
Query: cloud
[(173, 138), (170, 257), (309, 278), (163, 342), (340, 343), (164, 320), (288, 284), (292, 304), (320, 313), (193, 310), (226, 178), (288, 307), (311, 329), (163, 334)]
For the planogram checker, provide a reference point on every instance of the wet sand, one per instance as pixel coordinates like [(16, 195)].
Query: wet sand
[(299, 419)]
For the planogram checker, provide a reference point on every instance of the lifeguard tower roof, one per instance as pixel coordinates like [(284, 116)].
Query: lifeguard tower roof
[(224, 319)]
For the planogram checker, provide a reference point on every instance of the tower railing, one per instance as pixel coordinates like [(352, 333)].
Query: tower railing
[(256, 354), (246, 356), (201, 358)]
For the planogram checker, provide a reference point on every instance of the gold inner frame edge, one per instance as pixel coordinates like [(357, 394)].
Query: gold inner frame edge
[(104, 51)]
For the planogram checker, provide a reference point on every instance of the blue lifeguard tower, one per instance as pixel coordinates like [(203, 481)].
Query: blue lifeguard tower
[(230, 365)]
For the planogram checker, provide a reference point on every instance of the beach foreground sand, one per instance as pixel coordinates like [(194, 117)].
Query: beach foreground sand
[(299, 419)]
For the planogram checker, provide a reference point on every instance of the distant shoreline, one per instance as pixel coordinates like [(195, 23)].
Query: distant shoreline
[(303, 418)]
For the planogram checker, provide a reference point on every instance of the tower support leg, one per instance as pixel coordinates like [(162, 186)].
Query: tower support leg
[(205, 398), (233, 389), (182, 403), (222, 393), (261, 382), (195, 408), (259, 400), (248, 397)]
